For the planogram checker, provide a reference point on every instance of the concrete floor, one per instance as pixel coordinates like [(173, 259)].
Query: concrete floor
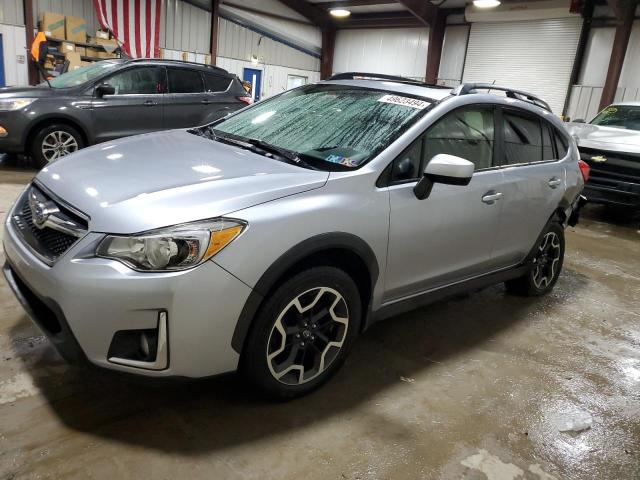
[(476, 387)]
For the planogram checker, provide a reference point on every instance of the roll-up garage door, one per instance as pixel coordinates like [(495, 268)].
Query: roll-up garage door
[(536, 56)]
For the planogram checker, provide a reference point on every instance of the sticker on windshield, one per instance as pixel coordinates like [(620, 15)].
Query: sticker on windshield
[(404, 101)]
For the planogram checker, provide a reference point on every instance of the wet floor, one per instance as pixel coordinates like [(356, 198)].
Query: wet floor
[(481, 386)]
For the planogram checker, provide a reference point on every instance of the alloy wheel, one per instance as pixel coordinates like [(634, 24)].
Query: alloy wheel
[(546, 260), (58, 144), (307, 336)]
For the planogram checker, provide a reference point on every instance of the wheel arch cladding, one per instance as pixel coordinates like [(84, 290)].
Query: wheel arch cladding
[(45, 122), (342, 250)]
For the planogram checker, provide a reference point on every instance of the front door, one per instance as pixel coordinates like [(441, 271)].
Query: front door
[(135, 108), (186, 102), (534, 183), (449, 236), (254, 77)]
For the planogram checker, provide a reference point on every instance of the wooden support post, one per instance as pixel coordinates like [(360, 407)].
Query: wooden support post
[(28, 27), (624, 13), (326, 56), (434, 49), (215, 29)]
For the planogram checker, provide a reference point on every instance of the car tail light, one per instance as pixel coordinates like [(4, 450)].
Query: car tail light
[(245, 99), (584, 169)]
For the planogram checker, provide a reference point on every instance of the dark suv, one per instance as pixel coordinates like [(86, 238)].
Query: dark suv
[(112, 99)]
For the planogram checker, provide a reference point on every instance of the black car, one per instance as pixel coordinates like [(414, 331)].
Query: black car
[(112, 99)]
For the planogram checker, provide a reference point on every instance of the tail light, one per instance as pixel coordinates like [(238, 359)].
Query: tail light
[(245, 99), (584, 169)]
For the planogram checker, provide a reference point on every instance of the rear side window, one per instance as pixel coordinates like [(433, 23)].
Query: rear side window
[(522, 139), (547, 143), (561, 145), (215, 83), (182, 80), (467, 133)]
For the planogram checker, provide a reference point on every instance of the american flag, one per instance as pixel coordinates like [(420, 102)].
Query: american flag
[(135, 23)]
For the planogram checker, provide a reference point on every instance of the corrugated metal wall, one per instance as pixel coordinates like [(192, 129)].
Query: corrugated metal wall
[(394, 51), (453, 53), (240, 43), (76, 8), (11, 12), (14, 47), (535, 56), (184, 27)]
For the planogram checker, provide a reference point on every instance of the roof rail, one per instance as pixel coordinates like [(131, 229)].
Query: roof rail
[(467, 88), (171, 60), (381, 76)]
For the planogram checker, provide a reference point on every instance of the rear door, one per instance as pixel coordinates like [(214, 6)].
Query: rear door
[(534, 182), (220, 100), (186, 103), (449, 236), (135, 108)]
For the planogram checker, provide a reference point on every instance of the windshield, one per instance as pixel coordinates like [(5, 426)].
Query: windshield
[(619, 116), (82, 75), (327, 125)]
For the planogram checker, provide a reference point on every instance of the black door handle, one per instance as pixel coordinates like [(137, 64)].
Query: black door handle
[(206, 102), (149, 103)]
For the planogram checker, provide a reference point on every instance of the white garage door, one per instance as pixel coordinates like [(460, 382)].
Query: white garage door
[(536, 56)]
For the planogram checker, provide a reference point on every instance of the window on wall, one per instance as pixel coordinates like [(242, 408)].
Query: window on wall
[(522, 139), (467, 133), (294, 81)]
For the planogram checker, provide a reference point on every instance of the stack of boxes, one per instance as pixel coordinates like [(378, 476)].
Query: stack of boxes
[(68, 35)]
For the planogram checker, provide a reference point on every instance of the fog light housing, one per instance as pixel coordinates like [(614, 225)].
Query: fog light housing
[(3, 132), (141, 348)]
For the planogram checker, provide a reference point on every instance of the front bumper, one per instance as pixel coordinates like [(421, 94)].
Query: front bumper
[(81, 302), (16, 124), (624, 194)]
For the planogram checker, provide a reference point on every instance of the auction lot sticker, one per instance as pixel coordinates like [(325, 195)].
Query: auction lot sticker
[(404, 101)]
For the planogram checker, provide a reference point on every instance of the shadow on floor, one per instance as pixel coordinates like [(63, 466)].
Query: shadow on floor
[(16, 169), (209, 415)]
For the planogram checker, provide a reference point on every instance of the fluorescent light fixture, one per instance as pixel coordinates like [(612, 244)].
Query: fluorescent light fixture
[(486, 3), (340, 12)]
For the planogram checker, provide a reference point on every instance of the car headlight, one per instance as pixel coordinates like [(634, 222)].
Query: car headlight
[(10, 104), (173, 248)]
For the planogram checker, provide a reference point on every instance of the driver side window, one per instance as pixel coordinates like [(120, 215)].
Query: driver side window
[(137, 80), (466, 132)]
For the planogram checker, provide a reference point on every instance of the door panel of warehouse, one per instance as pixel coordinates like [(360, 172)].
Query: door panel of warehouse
[(135, 108), (185, 103), (532, 55)]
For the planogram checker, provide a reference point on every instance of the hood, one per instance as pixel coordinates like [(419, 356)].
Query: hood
[(605, 138), (29, 92), (166, 178)]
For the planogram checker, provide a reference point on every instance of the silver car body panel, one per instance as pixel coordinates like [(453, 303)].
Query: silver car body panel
[(141, 183), (605, 138)]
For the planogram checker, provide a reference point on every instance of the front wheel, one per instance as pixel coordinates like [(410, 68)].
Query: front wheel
[(547, 264), (53, 142), (302, 333)]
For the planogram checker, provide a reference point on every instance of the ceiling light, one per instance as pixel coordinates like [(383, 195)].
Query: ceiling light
[(340, 12), (486, 3)]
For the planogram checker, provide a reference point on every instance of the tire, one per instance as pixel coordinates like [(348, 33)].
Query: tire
[(547, 265), (284, 367), (53, 142)]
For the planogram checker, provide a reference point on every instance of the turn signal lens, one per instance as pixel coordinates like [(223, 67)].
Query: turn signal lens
[(221, 239)]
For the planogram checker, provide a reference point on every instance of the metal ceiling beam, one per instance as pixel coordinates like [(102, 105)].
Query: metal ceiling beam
[(381, 20), (423, 10), (353, 3), (315, 15)]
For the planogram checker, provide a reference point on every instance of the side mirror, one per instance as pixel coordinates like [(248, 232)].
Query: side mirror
[(105, 89), (443, 168)]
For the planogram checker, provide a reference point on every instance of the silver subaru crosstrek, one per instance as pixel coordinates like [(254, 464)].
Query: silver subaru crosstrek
[(269, 240)]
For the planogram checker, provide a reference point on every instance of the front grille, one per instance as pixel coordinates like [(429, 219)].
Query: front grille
[(48, 242), (617, 166)]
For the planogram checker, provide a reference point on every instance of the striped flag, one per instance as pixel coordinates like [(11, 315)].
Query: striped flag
[(135, 23)]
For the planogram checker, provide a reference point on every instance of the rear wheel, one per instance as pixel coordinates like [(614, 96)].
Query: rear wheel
[(302, 333), (547, 264), (53, 142)]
